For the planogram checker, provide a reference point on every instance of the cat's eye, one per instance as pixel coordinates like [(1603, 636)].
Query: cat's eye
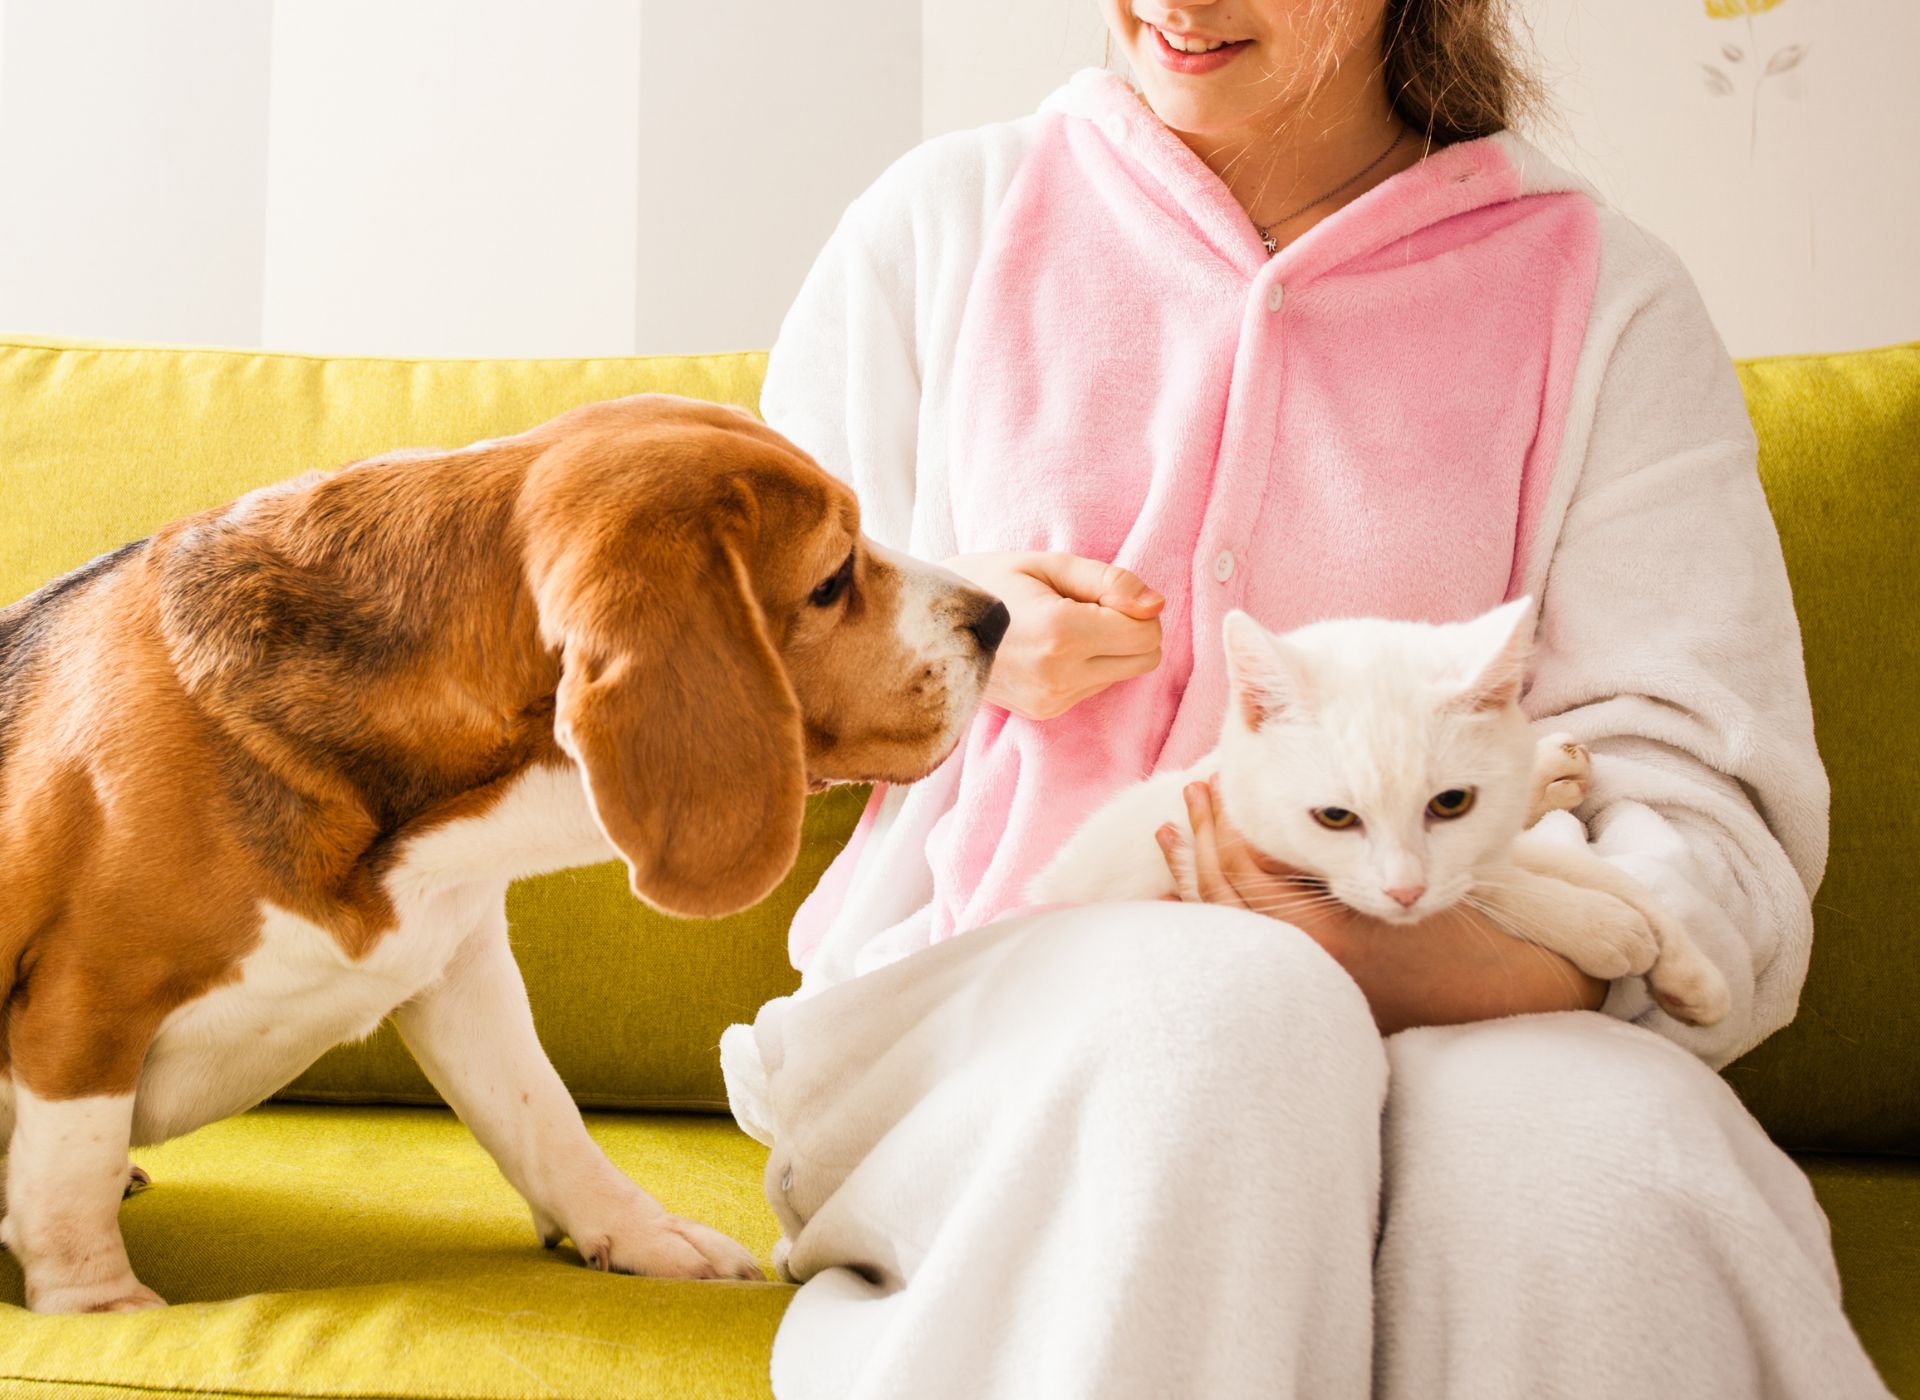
[(1335, 818), (1454, 802)]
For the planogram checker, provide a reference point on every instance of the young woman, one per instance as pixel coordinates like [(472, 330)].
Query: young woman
[(1297, 326)]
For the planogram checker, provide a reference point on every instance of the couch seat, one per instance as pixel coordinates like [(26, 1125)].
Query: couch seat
[(368, 1252), (376, 1252)]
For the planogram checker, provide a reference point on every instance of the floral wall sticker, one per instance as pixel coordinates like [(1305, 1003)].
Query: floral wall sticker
[(1743, 61)]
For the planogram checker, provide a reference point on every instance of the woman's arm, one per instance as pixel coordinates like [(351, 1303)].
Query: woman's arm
[(1669, 646), (843, 377)]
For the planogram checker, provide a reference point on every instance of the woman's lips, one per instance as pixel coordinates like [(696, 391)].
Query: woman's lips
[(1178, 62)]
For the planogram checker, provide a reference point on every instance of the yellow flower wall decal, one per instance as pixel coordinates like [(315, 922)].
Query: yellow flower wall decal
[(1734, 9)]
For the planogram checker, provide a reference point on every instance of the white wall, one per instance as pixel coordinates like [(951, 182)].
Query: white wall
[(133, 155), (1792, 198), (508, 177), (436, 177), (452, 177)]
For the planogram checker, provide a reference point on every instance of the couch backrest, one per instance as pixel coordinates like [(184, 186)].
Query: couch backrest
[(1840, 458), (98, 445)]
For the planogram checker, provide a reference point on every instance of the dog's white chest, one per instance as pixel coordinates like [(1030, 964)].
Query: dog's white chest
[(299, 993)]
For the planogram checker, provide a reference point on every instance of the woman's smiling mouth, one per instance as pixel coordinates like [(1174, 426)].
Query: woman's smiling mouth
[(1193, 53)]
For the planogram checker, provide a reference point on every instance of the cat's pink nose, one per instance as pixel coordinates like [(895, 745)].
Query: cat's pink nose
[(1406, 895)]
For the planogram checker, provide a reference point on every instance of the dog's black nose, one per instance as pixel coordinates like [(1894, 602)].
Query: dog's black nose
[(991, 626)]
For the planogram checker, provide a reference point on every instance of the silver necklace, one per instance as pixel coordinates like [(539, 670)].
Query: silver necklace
[(1266, 230)]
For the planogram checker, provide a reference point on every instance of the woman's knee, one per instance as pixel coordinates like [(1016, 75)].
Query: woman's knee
[(1577, 1120), (1207, 990)]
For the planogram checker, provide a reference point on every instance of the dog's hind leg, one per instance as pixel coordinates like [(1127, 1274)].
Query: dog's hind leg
[(76, 1052), (66, 1170)]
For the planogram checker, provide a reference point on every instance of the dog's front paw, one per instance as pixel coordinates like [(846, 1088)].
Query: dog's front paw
[(119, 1295), (659, 1245)]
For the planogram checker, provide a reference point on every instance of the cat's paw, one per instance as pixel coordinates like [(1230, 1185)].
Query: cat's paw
[(1562, 776), (1616, 940), (1687, 986)]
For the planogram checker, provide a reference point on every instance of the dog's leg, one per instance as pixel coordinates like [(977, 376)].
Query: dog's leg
[(473, 1034), (66, 1170)]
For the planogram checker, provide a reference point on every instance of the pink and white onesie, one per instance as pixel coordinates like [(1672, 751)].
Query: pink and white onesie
[(1138, 1150)]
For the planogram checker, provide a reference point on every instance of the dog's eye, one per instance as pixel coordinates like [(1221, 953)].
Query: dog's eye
[(828, 593), (1454, 802), (1335, 818)]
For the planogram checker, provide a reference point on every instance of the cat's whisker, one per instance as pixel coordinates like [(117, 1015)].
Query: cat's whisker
[(1505, 921)]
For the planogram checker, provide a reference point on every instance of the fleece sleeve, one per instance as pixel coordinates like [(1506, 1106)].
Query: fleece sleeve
[(843, 378), (1669, 645)]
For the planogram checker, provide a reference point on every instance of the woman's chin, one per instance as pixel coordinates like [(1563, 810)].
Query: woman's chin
[(1184, 106)]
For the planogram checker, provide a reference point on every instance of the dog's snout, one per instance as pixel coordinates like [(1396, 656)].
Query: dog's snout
[(990, 626)]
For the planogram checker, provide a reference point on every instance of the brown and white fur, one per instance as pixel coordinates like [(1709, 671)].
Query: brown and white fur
[(1375, 720), (265, 777)]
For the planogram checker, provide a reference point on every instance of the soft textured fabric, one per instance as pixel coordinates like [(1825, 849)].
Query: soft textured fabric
[(378, 1252), (1576, 1208), (1840, 456), (100, 444), (1121, 1075), (1472, 382), (1176, 1163)]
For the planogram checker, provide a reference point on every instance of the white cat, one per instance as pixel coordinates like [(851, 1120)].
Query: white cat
[(1391, 763)]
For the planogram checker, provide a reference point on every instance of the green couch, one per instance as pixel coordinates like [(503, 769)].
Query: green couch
[(351, 1239)]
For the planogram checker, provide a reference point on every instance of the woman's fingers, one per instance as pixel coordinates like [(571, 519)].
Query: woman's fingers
[(1178, 853), (1103, 671), (1077, 626), (1099, 630), (1211, 881), (1090, 581)]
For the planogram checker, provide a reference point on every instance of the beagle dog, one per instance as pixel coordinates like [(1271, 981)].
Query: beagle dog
[(265, 777)]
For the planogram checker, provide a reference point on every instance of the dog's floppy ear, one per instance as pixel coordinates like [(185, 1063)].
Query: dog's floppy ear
[(688, 735)]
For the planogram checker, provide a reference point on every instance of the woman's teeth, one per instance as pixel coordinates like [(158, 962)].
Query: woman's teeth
[(1180, 44)]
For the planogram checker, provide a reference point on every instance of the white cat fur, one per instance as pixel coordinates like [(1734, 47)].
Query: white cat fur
[(1378, 717)]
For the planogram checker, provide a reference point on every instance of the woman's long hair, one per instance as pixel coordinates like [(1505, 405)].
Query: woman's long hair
[(1453, 70)]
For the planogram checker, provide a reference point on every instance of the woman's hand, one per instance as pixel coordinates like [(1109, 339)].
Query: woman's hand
[(1077, 626), (1451, 967)]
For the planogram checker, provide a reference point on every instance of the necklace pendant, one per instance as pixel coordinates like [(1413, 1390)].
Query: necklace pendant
[(1273, 244)]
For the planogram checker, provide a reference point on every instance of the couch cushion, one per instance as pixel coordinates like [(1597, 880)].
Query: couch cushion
[(1873, 1205), (319, 1251), (100, 444), (1840, 458), (377, 1252)]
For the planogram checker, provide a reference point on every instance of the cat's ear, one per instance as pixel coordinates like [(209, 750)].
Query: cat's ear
[(1496, 647), (1266, 674)]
